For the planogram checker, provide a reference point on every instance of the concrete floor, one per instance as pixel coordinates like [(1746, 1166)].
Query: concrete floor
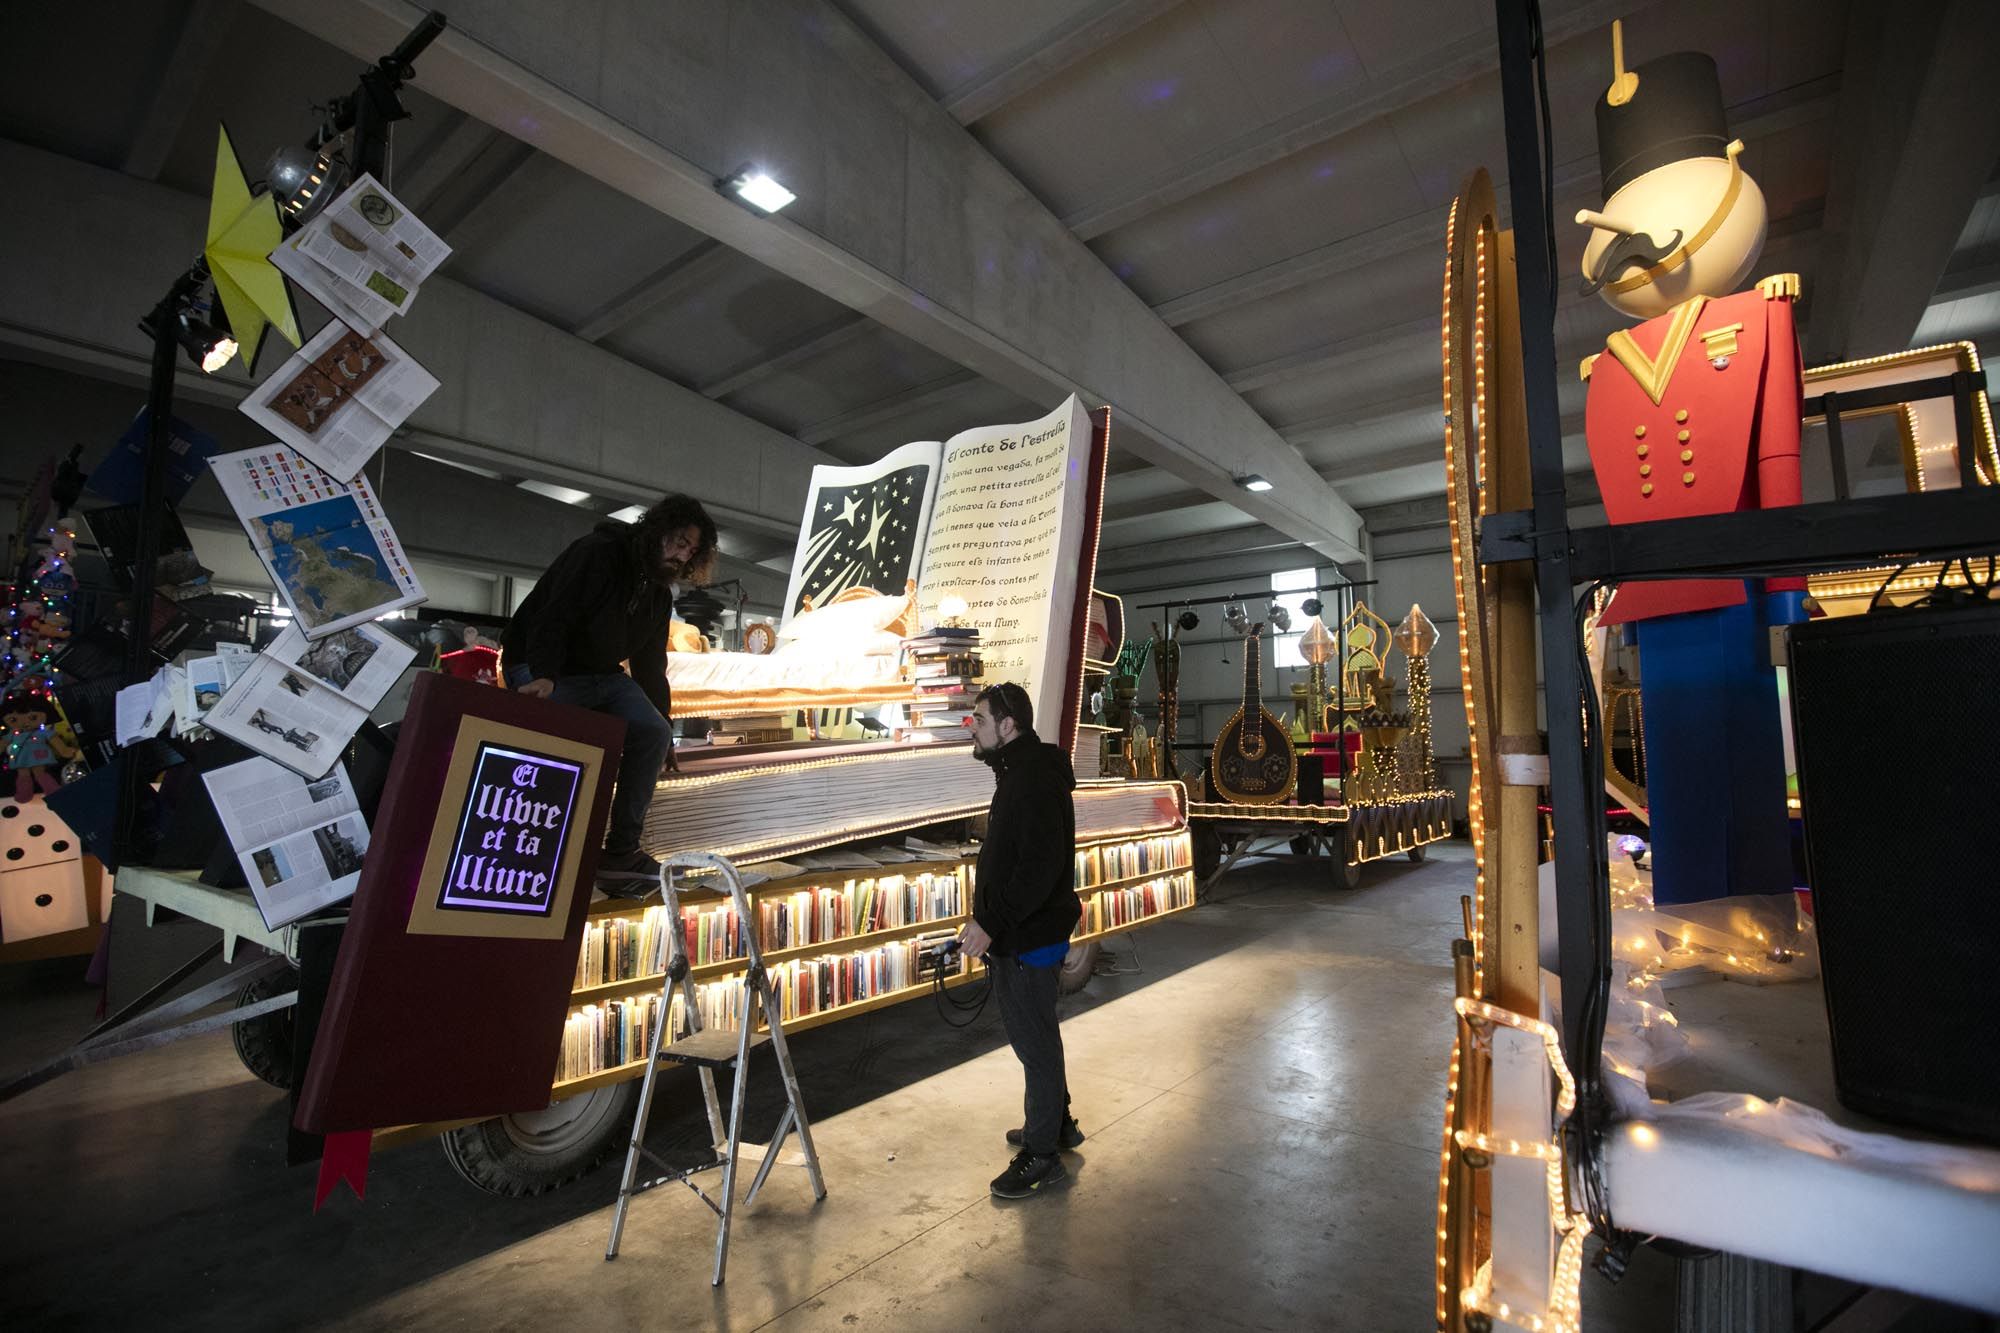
[(1261, 1090)]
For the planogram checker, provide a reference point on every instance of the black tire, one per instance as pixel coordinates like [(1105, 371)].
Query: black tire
[(264, 1043), (518, 1156), (1077, 967), (1346, 874), (1302, 845), (1418, 853), (1207, 846)]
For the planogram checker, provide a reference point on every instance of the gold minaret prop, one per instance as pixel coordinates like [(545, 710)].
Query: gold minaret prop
[(1416, 636), (1317, 646)]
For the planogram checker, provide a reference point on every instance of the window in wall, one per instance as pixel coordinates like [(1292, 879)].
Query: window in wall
[(1290, 588)]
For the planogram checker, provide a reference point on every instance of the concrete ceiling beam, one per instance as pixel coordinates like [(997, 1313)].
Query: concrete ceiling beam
[(182, 74), (1921, 130), (684, 274), (807, 347), (1576, 184), (901, 214), (1049, 54), (884, 410), (1395, 90)]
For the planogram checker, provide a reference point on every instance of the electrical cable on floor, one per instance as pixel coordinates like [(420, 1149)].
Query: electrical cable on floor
[(1107, 962)]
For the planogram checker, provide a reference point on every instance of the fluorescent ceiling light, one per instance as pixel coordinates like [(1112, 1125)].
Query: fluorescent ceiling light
[(487, 473), (757, 189), (568, 495), (629, 514), (1253, 482)]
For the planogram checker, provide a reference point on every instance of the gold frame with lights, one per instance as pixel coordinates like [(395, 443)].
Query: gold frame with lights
[(1497, 975)]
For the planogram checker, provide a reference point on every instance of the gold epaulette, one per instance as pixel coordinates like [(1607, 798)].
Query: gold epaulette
[(1780, 287), (1583, 370)]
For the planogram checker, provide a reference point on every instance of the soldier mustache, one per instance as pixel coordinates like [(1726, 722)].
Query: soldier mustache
[(1624, 251)]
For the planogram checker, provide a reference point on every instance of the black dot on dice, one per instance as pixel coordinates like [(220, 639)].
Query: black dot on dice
[(44, 899), (14, 853), (36, 830), (59, 845), (9, 811)]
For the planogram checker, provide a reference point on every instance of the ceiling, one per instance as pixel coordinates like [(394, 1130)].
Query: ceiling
[(1268, 177)]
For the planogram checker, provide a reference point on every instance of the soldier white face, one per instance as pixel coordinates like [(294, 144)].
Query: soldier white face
[(1700, 220)]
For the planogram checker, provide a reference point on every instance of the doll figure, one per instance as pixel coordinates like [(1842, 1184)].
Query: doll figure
[(33, 746)]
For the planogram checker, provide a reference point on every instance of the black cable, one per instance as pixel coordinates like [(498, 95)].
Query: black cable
[(1596, 999), (1539, 54), (971, 1008), (1895, 574)]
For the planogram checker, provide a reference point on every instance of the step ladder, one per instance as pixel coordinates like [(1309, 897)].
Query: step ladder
[(708, 1050)]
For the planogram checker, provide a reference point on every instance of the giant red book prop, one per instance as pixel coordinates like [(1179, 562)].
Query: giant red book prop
[(448, 998)]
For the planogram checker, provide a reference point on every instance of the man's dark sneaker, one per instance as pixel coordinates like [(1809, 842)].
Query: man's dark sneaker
[(627, 867), (1026, 1174), (1071, 1139)]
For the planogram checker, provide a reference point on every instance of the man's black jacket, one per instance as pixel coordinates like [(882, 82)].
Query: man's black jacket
[(597, 606), (1024, 894)]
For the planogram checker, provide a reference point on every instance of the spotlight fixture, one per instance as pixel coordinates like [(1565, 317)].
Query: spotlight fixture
[(1250, 481), (209, 342), (1280, 617), (1188, 620), (756, 189), (1312, 606), (1238, 620), (303, 179)]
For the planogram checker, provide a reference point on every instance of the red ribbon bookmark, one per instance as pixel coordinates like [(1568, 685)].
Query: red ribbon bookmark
[(345, 1157)]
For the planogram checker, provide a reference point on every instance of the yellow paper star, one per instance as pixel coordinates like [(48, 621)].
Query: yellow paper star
[(243, 229)]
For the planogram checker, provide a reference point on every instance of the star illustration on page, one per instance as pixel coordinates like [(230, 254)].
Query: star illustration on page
[(874, 530), (848, 509)]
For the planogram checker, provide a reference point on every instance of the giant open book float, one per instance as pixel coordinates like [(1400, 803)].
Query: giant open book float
[(1005, 518)]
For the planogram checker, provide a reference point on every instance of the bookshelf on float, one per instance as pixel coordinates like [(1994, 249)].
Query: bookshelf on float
[(1122, 882)]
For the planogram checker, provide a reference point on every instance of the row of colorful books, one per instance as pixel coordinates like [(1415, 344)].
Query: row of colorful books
[(626, 948), (1143, 856), (619, 948), (604, 1036), (807, 986), (825, 914), (1111, 909)]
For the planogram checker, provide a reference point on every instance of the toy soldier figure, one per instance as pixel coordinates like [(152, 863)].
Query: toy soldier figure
[(1695, 411)]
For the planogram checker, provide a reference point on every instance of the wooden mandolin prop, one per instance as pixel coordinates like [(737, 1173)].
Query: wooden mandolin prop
[(1252, 763)]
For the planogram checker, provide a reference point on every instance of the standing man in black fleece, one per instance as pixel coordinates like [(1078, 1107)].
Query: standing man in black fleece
[(1024, 908), (609, 599)]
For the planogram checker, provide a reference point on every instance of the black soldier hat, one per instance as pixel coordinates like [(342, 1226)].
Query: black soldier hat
[(1675, 113)]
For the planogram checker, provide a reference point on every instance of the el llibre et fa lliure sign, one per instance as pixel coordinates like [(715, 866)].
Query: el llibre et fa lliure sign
[(511, 833)]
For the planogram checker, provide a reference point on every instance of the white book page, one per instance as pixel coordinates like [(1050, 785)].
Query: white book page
[(338, 399), (361, 663), (376, 250), (326, 543), (865, 527), (287, 716), (1004, 535), (300, 842)]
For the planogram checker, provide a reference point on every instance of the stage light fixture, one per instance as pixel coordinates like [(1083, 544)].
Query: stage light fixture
[(1252, 482), (1188, 620), (1236, 618), (208, 342), (1312, 606), (1281, 617), (303, 180), (756, 189)]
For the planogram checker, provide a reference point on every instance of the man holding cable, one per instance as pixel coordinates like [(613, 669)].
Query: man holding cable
[(1024, 907)]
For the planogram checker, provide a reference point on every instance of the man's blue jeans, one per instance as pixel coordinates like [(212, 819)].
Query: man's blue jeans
[(648, 741)]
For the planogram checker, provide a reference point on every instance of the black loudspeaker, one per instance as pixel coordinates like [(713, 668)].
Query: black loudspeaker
[(1897, 724), (1312, 779)]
